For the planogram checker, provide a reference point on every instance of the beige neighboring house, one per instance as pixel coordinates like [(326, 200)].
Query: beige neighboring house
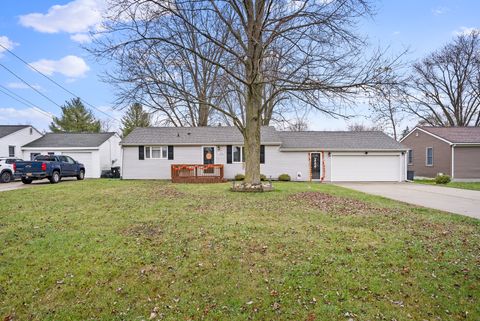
[(13, 137), (454, 151)]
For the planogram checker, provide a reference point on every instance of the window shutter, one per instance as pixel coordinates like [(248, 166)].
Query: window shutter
[(229, 154), (170, 152), (141, 152), (262, 154)]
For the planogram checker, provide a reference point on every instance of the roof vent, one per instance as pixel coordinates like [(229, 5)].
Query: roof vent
[(188, 134), (178, 134)]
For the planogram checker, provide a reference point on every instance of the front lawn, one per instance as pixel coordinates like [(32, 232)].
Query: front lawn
[(140, 250), (463, 185)]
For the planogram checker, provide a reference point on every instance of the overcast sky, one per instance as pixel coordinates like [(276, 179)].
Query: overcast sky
[(49, 35)]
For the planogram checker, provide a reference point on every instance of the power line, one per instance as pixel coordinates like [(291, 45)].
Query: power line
[(32, 87), (55, 82), (24, 101)]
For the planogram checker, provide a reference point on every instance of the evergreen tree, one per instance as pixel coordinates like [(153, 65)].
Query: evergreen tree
[(134, 117), (75, 118)]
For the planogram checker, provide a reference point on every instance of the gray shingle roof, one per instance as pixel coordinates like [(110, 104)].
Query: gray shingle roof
[(69, 140), (194, 136), (467, 135), (339, 140), (10, 129), (308, 140)]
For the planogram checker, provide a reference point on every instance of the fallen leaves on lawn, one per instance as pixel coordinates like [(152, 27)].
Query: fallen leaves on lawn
[(334, 204)]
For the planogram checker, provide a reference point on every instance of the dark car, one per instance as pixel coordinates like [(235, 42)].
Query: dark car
[(53, 167)]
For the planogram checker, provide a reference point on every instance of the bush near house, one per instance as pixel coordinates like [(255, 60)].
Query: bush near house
[(442, 179), (263, 177), (284, 178), (239, 177)]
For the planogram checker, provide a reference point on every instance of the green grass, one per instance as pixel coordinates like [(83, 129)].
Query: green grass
[(131, 250), (463, 185)]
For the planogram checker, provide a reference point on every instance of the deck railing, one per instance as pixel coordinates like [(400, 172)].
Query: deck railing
[(196, 173)]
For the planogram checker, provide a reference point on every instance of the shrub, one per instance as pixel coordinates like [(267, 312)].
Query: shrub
[(284, 177), (239, 177), (442, 179), (263, 177)]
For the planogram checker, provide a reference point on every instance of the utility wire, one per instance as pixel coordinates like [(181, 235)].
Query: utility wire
[(55, 82), (24, 101), (32, 87)]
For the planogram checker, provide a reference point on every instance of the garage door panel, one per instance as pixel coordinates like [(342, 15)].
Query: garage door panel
[(85, 159), (364, 168)]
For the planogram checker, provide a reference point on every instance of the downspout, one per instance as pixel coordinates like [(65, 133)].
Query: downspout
[(453, 161)]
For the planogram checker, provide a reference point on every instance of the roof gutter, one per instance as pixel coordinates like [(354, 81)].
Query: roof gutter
[(296, 149)]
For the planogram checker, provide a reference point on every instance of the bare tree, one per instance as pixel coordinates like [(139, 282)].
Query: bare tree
[(269, 51), (361, 127), (445, 86), (387, 106)]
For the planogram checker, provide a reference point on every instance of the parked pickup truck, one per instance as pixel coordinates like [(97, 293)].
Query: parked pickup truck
[(53, 167)]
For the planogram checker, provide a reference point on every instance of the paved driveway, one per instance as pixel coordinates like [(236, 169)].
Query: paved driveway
[(453, 200), (18, 184)]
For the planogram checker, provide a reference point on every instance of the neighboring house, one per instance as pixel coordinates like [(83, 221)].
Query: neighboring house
[(96, 151), (148, 153), (13, 137), (454, 151)]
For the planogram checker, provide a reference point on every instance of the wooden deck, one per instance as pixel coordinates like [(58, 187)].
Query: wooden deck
[(196, 173)]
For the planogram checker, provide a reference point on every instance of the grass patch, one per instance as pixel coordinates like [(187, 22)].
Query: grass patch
[(134, 250), (475, 186)]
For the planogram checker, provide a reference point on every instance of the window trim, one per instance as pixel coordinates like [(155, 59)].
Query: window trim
[(9, 154), (410, 157), (242, 154), (426, 157), (148, 151)]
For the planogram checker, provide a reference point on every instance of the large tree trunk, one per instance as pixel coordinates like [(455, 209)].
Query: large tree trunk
[(252, 134), (203, 113)]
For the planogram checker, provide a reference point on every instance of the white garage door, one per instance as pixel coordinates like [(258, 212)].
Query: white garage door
[(365, 168), (86, 159)]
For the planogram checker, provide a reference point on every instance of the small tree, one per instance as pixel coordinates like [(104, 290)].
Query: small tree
[(75, 118), (134, 117)]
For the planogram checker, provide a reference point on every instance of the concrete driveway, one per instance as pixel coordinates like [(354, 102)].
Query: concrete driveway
[(19, 185), (453, 200)]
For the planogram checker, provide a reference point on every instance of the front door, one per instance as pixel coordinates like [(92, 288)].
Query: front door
[(315, 165), (208, 155)]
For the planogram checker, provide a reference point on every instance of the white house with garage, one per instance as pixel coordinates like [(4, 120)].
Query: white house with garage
[(333, 156), (13, 137), (97, 151)]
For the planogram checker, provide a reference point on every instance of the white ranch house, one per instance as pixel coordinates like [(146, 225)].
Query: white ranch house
[(149, 153)]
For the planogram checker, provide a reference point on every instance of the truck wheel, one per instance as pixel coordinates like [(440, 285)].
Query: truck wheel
[(81, 175), (6, 177), (26, 180), (55, 178)]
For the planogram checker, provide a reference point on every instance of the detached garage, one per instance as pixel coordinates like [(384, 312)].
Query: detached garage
[(97, 151)]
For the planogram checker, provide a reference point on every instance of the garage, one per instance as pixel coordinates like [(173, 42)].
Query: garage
[(97, 151), (84, 158), (366, 167)]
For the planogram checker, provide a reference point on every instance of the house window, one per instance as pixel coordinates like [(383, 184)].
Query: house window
[(410, 157), (156, 152), (429, 156), (238, 154), (11, 151)]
